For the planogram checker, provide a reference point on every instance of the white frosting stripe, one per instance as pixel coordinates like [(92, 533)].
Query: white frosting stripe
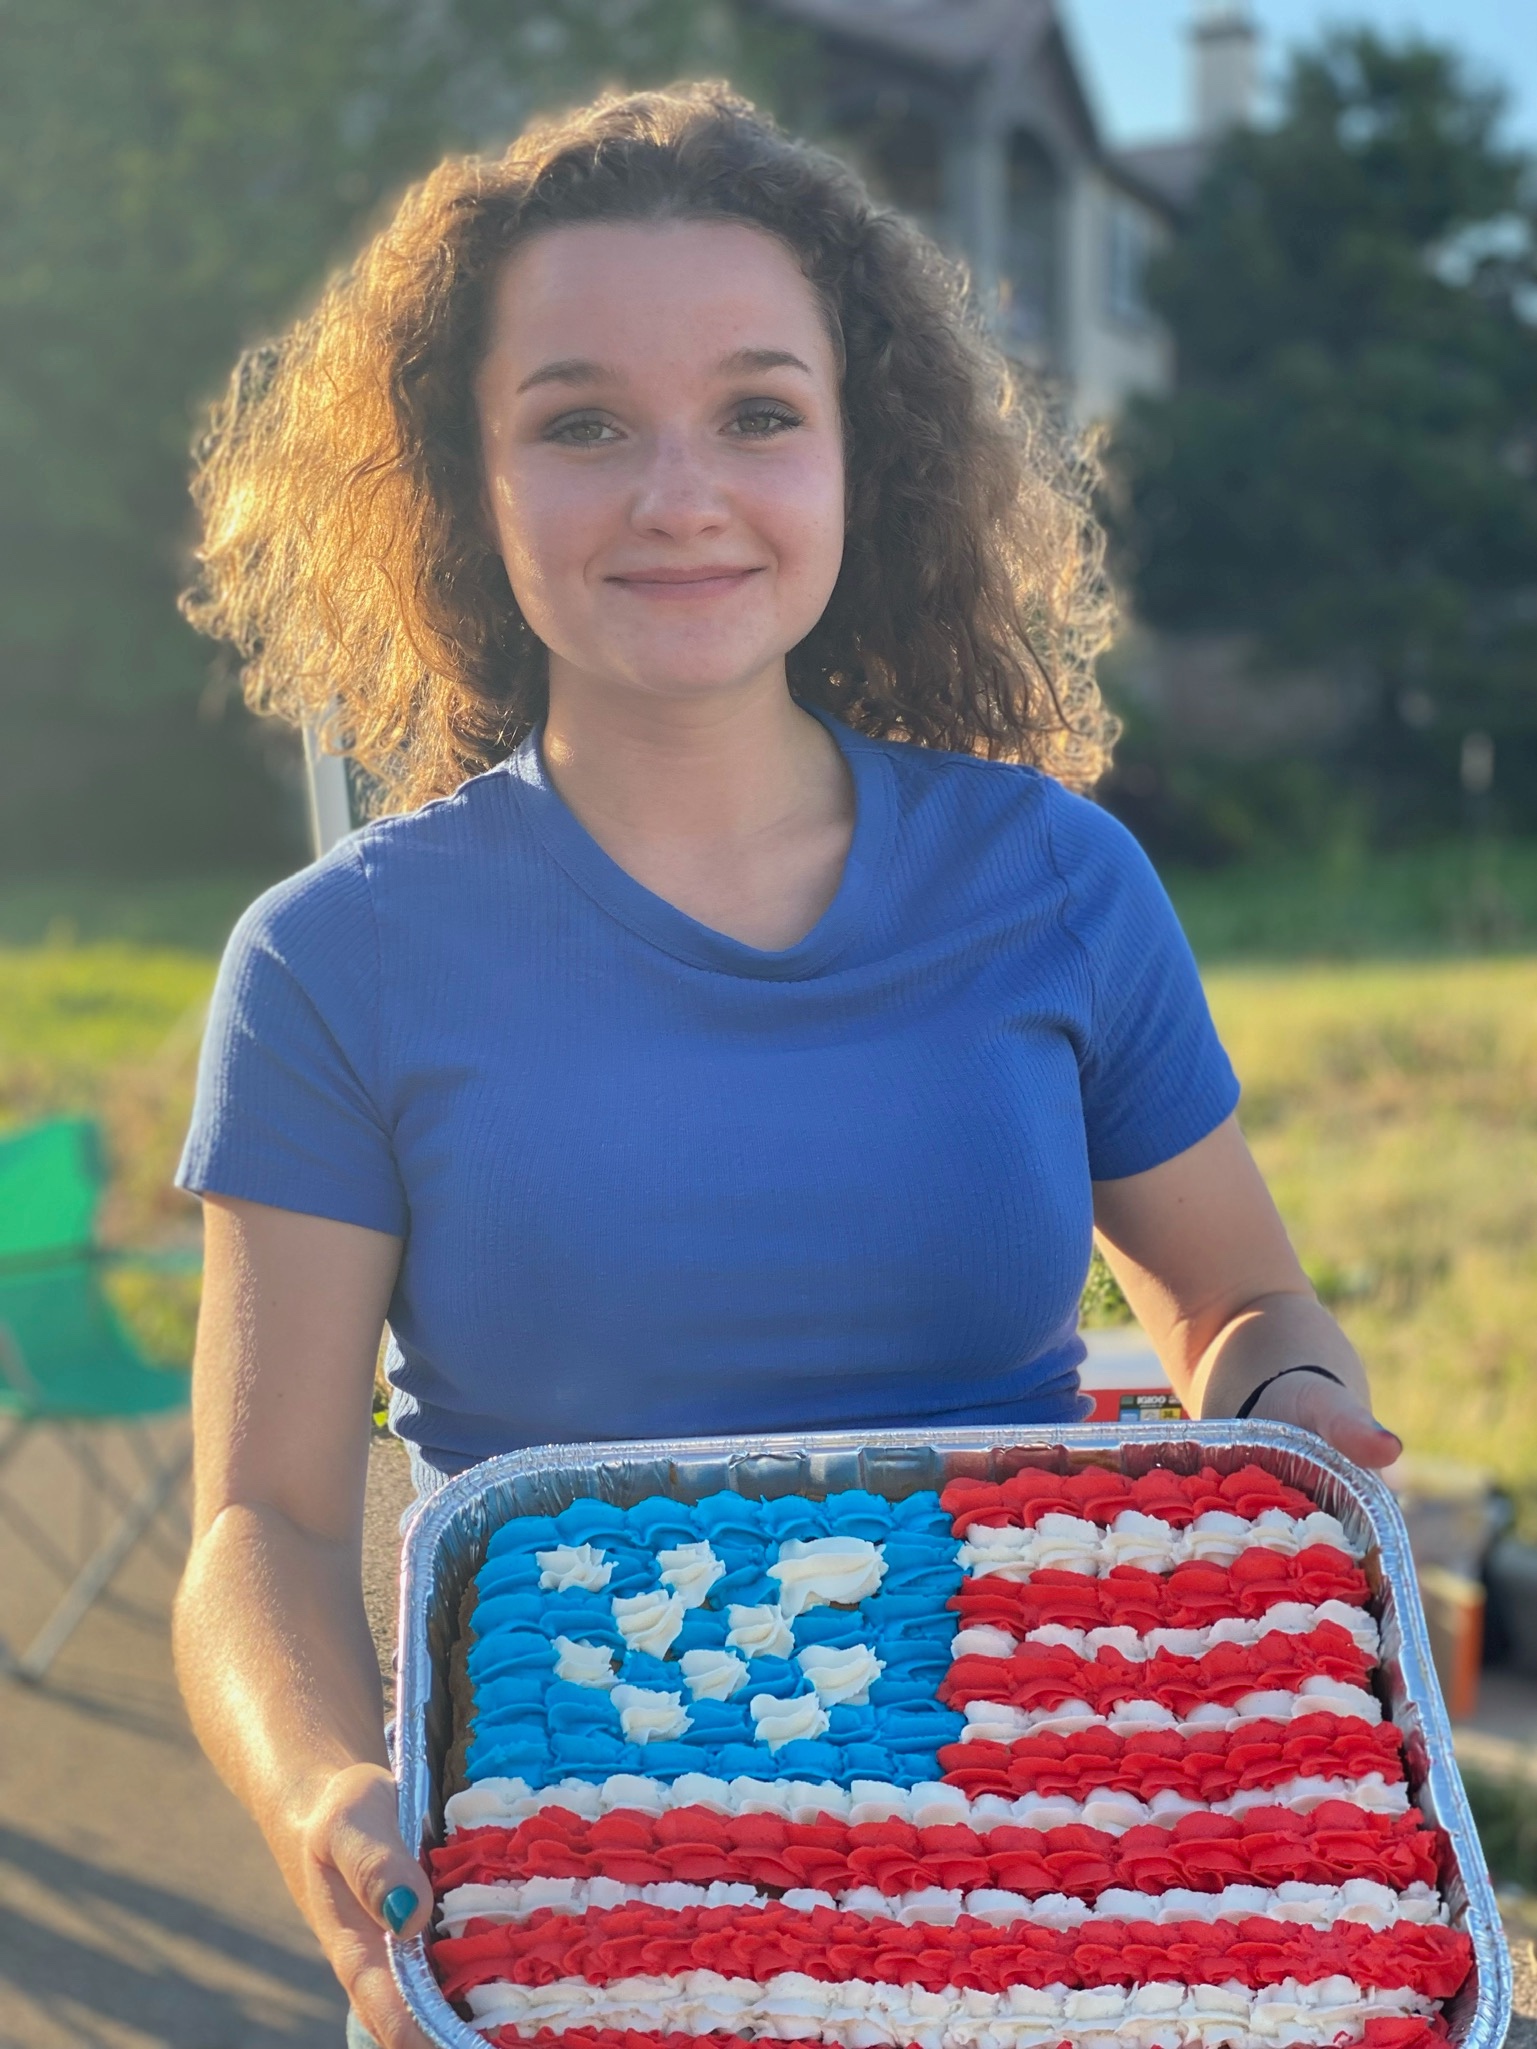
[(859, 2015), (1287, 1618), (503, 1803), (1314, 1906), (999, 1721), (1373, 1793), (1071, 1543)]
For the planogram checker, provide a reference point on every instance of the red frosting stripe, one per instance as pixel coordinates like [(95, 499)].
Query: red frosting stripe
[(1043, 1675), (1382, 2032), (760, 1943), (1204, 1852), (1409, 2031), (1198, 1764), (1175, 1498), (1192, 1597)]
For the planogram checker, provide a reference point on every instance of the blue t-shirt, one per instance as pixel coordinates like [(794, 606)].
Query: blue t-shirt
[(655, 1182)]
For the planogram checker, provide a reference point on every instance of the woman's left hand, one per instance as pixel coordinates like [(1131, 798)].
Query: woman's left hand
[(1331, 1412)]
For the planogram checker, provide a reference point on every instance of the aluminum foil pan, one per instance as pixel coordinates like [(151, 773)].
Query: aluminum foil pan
[(447, 1537)]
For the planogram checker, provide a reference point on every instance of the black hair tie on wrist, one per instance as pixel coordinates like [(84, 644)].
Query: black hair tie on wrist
[(1246, 1406)]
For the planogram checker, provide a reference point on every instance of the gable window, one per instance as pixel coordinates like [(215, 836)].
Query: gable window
[(1128, 247), (1029, 281), (901, 151)]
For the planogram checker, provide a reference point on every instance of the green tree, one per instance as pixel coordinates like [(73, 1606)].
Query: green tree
[(179, 174), (1347, 468)]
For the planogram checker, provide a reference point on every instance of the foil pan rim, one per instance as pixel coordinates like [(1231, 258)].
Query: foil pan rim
[(438, 1515)]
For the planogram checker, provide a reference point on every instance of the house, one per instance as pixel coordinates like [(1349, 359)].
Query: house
[(973, 116)]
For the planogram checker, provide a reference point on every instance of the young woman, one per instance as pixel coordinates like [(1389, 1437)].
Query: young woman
[(738, 1025)]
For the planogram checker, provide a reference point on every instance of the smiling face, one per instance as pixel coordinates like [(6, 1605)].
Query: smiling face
[(663, 454)]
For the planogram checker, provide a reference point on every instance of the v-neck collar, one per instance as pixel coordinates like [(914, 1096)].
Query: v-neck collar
[(661, 923)]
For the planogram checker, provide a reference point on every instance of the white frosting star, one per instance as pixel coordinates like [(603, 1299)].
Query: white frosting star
[(844, 1676), (818, 1571), (712, 1675), (759, 1632), (648, 1716), (584, 1664), (690, 1570), (569, 1566), (649, 1622), (777, 1722)]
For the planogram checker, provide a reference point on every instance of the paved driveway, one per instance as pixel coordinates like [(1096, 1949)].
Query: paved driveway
[(139, 1908)]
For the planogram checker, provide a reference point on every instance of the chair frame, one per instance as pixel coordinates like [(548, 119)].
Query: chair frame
[(138, 1514), (331, 807), (140, 1510)]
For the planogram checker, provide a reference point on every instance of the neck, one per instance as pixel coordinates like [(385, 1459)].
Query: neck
[(721, 769)]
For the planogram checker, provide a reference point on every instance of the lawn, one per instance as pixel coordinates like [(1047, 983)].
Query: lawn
[(1393, 1108), (1474, 896), (1392, 1102)]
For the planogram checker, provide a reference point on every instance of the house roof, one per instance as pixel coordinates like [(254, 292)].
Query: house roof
[(962, 37), (958, 35), (1170, 171)]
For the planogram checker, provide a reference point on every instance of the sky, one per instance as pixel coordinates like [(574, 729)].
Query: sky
[(1134, 50)]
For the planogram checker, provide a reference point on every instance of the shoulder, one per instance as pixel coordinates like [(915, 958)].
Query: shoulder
[(335, 900), (313, 914), (1092, 847), (965, 785), (411, 844), (999, 803), (1009, 834)]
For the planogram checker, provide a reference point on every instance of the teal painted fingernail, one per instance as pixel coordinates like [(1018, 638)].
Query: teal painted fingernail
[(398, 1907)]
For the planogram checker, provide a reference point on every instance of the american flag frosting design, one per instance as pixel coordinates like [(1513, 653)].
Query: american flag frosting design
[(1047, 1761)]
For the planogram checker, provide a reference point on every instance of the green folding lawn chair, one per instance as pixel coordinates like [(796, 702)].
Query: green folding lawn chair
[(69, 1367)]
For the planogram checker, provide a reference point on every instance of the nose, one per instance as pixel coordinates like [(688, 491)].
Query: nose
[(678, 495)]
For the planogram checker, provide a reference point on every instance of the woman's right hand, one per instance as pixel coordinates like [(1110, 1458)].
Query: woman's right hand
[(344, 1860)]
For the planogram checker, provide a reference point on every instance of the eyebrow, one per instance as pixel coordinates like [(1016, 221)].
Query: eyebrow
[(583, 370)]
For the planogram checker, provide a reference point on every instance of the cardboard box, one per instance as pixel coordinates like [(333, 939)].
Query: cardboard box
[(1128, 1384), (1454, 1611)]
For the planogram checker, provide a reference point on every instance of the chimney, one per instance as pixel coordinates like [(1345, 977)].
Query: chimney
[(1223, 46)]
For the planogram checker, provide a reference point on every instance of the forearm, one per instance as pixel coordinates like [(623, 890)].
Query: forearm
[(1205, 1262), (1265, 1338), (272, 1644), (276, 1664)]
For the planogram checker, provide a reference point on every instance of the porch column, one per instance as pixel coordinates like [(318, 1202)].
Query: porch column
[(977, 196)]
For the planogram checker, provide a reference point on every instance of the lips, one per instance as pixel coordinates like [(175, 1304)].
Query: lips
[(684, 582)]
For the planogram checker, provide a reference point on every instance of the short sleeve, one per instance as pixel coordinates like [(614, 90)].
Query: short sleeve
[(1155, 1078), (287, 1109)]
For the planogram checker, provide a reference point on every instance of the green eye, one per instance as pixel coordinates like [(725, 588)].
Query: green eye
[(759, 421), (585, 431)]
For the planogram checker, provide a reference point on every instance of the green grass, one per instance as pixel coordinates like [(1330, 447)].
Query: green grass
[(1469, 897), (1393, 1109), (70, 910), (113, 1030)]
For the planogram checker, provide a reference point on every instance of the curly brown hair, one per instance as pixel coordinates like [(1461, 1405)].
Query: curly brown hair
[(347, 556)]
